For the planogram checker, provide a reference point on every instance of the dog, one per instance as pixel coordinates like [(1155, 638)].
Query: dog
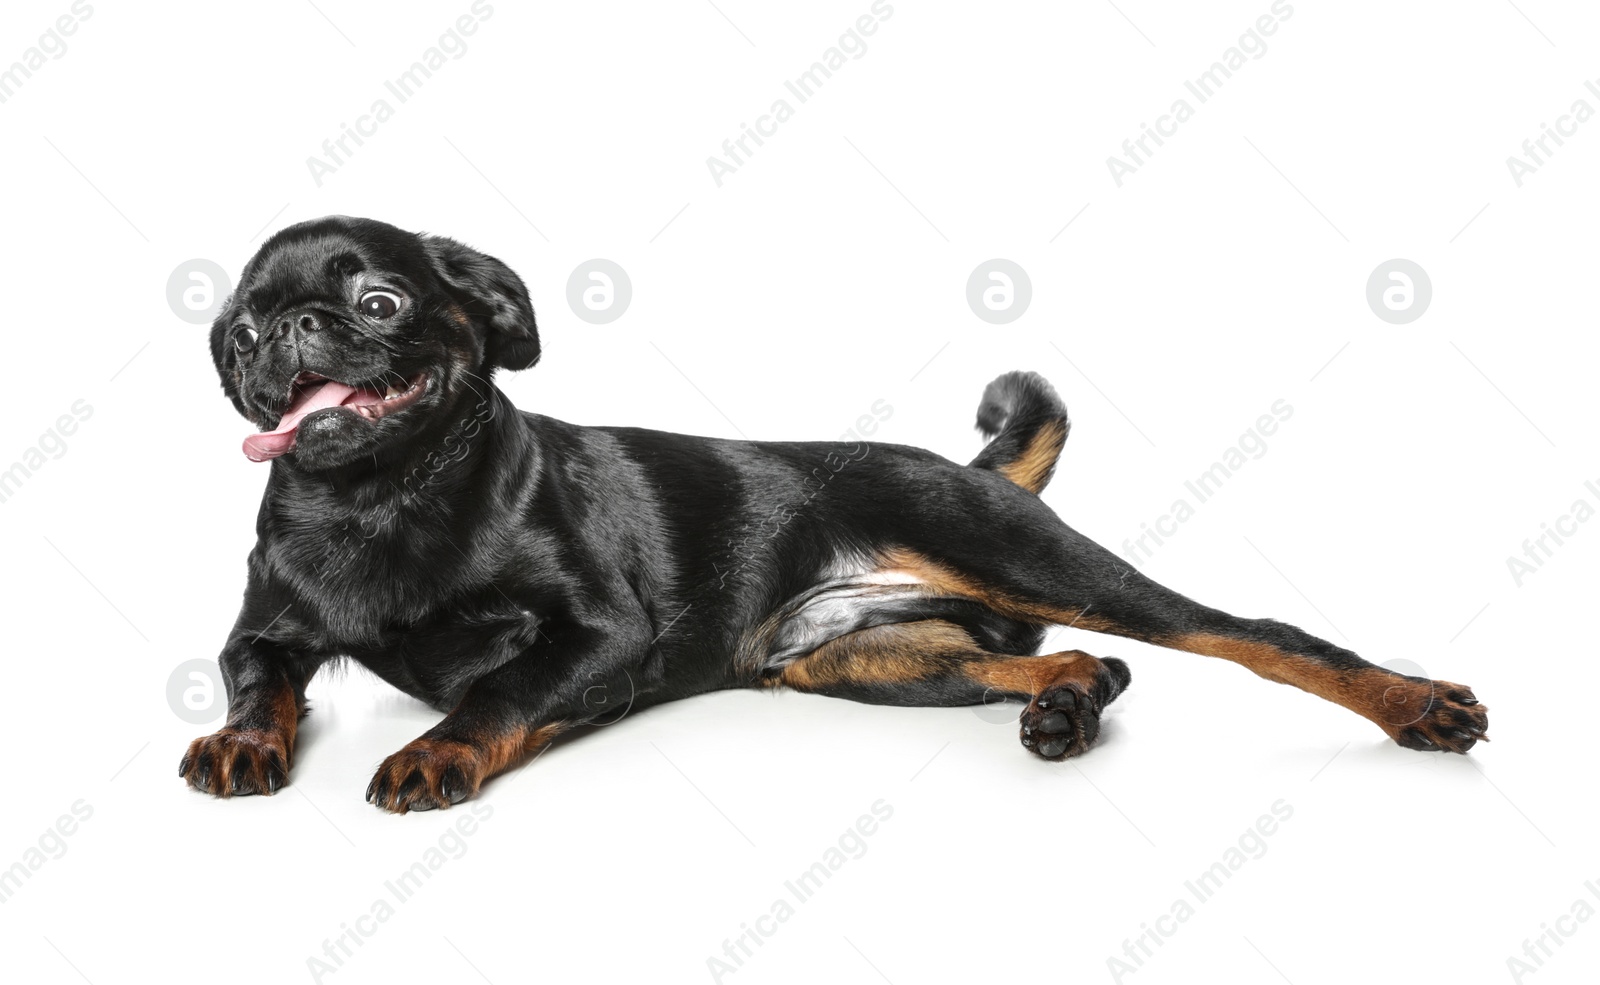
[(530, 577)]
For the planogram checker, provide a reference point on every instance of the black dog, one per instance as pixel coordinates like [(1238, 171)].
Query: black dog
[(531, 576)]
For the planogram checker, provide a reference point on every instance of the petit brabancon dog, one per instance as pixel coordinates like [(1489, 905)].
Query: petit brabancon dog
[(529, 576)]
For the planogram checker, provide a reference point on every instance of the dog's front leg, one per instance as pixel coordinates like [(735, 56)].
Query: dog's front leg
[(509, 715), (251, 753)]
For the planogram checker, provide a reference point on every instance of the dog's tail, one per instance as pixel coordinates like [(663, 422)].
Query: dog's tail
[(1026, 424)]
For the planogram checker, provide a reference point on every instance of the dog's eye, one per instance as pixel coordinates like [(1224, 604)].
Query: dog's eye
[(244, 339), (380, 304)]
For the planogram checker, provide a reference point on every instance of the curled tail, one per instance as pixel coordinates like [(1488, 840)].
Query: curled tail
[(1026, 424)]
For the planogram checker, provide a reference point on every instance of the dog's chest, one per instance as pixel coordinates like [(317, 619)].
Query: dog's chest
[(436, 660), (364, 576)]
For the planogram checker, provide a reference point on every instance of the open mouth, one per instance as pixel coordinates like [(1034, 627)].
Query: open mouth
[(312, 392)]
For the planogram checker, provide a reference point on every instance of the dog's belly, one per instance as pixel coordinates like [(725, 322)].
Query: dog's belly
[(859, 599)]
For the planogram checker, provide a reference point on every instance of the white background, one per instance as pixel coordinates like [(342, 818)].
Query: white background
[(826, 274)]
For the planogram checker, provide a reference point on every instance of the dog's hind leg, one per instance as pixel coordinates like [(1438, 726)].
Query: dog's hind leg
[(1031, 566), (1039, 570), (936, 663)]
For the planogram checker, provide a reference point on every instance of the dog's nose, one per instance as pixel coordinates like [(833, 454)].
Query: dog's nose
[(304, 320)]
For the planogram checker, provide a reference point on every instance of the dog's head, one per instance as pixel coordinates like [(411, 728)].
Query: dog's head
[(347, 336)]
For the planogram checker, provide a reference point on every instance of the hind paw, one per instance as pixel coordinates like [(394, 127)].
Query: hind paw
[(1447, 718), (1063, 720)]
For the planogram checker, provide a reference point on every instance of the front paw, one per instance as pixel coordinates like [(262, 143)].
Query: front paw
[(425, 775), (237, 762)]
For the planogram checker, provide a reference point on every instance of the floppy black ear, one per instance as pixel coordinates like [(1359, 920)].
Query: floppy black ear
[(225, 356), (492, 295)]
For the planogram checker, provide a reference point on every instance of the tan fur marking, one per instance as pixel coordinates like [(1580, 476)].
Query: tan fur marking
[(498, 752), (431, 759), (897, 654), (1031, 675), (908, 652), (942, 580), (1361, 690), (1031, 469), (286, 713), (248, 744)]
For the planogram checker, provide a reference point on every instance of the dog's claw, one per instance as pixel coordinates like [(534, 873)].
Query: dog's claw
[(1439, 716), (426, 775), (237, 762)]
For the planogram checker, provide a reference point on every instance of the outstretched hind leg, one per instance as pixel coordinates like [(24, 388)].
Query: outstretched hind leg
[(1022, 562), (1044, 572), (938, 664)]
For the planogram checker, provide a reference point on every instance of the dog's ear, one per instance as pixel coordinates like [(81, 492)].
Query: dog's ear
[(493, 296), (225, 355)]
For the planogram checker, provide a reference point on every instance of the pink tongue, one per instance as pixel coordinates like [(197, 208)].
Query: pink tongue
[(280, 440)]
